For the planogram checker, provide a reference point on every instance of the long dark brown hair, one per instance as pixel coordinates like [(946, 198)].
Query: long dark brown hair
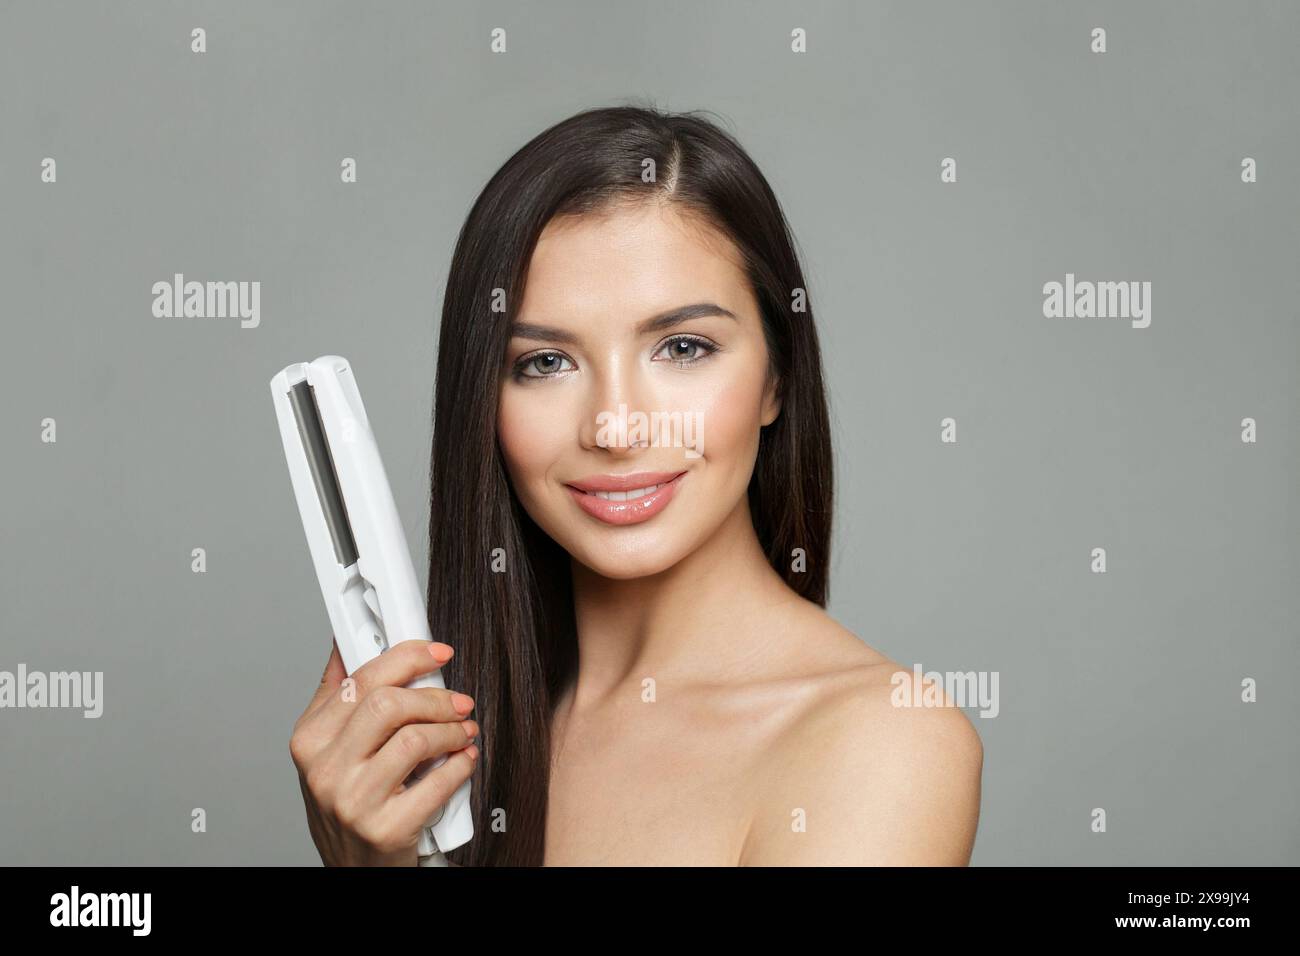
[(500, 589)]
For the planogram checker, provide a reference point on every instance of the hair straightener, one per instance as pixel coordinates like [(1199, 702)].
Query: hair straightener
[(356, 540)]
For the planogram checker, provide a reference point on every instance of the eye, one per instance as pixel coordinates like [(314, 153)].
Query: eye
[(683, 350), (542, 365)]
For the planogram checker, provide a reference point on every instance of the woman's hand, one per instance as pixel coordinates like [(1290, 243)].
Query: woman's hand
[(354, 752)]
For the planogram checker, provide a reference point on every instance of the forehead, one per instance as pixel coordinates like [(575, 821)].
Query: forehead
[(630, 261)]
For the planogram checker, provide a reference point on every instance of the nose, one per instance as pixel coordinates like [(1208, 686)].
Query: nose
[(616, 392)]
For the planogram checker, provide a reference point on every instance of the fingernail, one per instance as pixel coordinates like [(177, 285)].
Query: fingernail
[(441, 652), (463, 703), (472, 750), (470, 728)]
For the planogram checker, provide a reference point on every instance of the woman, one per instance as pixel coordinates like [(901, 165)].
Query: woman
[(636, 612)]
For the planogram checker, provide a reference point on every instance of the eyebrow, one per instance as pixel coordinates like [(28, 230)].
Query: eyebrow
[(657, 323)]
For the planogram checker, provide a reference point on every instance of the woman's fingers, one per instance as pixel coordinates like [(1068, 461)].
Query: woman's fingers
[(395, 667), (401, 664), (413, 807), (385, 710), (413, 745)]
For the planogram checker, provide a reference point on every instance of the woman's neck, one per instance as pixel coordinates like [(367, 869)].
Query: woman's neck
[(695, 622)]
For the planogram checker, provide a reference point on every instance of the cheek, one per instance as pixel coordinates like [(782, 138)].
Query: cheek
[(532, 436), (731, 416)]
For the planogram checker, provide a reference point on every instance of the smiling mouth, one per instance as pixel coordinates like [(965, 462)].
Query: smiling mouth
[(624, 495), (608, 499)]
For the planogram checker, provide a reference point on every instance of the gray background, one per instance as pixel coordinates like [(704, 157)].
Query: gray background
[(1118, 690)]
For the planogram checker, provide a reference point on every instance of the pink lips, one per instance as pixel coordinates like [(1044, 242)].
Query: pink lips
[(631, 510)]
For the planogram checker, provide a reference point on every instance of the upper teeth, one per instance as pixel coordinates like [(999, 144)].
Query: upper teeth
[(624, 495)]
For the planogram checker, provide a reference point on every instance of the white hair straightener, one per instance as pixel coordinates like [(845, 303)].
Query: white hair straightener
[(357, 544)]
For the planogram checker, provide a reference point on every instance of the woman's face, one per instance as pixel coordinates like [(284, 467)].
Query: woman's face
[(605, 393)]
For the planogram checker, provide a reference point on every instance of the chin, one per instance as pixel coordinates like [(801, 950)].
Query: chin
[(624, 555), (630, 567)]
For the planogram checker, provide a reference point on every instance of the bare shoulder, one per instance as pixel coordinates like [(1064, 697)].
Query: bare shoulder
[(870, 773)]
